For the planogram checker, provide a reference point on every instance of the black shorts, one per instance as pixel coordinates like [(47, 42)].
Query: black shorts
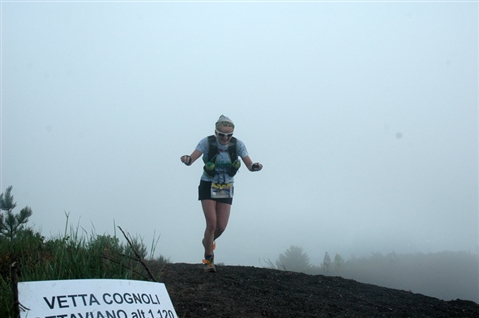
[(204, 193)]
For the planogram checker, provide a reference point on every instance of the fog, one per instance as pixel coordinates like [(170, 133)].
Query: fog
[(364, 115)]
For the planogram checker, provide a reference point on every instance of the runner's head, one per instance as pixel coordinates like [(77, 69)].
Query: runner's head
[(224, 128)]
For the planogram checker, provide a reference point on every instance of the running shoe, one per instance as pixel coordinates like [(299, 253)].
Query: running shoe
[(209, 265)]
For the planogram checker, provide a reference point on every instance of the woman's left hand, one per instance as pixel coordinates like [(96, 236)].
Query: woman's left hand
[(256, 166)]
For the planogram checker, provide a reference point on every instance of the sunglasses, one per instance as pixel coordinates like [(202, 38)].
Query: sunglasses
[(223, 134)]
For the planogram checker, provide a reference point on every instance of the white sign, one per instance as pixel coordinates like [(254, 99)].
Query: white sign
[(94, 298)]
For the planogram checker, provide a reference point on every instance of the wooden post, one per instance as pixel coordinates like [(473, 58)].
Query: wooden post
[(16, 304)]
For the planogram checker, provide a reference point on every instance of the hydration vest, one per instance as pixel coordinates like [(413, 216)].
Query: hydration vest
[(210, 164)]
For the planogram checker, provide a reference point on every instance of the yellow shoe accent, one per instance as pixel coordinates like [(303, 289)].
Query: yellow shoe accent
[(209, 265)]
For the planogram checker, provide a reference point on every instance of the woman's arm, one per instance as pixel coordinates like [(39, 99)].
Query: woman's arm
[(188, 160), (250, 165)]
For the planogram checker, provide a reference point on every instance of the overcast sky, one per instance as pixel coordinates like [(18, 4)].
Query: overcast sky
[(364, 115)]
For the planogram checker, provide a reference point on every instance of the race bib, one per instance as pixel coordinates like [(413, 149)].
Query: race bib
[(221, 190)]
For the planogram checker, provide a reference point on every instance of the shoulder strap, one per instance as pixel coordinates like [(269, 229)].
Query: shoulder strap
[(212, 148), (232, 149)]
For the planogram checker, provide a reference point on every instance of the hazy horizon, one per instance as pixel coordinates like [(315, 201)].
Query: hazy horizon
[(364, 115)]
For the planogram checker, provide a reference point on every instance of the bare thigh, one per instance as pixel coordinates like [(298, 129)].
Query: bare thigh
[(216, 215)]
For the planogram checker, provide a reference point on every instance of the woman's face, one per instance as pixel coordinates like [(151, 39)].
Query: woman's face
[(224, 134)]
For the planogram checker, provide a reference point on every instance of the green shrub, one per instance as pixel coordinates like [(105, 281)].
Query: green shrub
[(70, 256)]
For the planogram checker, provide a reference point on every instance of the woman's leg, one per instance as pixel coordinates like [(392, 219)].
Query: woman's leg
[(216, 215), (209, 210), (222, 217)]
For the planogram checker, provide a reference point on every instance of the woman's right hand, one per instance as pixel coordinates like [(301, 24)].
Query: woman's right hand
[(186, 160)]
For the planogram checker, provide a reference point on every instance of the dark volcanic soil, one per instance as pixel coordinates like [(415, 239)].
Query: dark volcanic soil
[(240, 291)]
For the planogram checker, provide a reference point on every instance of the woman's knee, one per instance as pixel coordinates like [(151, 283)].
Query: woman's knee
[(219, 231), (211, 228)]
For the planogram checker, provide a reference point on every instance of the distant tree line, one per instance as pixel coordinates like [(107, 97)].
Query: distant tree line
[(445, 275)]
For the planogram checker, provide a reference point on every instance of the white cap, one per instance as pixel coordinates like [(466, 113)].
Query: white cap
[(224, 121)]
